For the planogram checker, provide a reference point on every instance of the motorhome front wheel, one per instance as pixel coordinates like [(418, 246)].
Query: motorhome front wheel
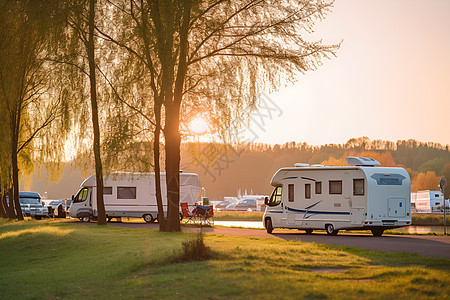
[(269, 226)]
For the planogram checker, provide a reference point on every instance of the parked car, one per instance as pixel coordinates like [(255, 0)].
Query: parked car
[(244, 205), (31, 205), (222, 205), (60, 207)]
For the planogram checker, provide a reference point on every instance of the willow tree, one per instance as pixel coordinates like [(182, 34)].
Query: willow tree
[(30, 103), (77, 53), (217, 56)]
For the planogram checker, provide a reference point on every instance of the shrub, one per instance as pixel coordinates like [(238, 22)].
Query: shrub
[(195, 250)]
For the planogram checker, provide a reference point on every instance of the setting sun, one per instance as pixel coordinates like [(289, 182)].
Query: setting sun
[(198, 125)]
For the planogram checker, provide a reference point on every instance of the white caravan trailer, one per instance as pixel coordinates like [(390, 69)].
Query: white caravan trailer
[(427, 201), (358, 196), (130, 195)]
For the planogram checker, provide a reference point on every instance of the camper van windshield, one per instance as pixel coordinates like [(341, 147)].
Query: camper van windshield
[(81, 196), (275, 199)]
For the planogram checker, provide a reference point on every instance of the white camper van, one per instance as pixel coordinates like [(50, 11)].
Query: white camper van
[(358, 196), (130, 195), (427, 201)]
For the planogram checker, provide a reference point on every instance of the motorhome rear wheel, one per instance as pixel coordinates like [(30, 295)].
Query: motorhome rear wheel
[(330, 229), (377, 232)]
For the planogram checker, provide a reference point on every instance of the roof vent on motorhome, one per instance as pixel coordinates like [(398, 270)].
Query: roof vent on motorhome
[(301, 165), (362, 161)]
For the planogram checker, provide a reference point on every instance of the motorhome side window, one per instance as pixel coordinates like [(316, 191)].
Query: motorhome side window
[(126, 192), (335, 187), (107, 190), (358, 187), (290, 192), (318, 187), (307, 191), (275, 199), (82, 195)]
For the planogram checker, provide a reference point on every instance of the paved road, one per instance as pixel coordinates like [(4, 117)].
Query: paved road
[(427, 245)]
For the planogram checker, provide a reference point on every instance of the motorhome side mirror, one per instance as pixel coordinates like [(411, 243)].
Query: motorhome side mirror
[(266, 200), (72, 197)]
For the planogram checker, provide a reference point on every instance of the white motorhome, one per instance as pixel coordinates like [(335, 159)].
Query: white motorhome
[(359, 196), (130, 195), (427, 201)]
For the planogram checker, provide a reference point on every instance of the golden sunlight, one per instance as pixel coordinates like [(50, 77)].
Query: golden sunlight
[(198, 126)]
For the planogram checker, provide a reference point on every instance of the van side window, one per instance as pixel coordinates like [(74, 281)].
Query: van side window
[(290, 192), (275, 199), (358, 187), (107, 190), (318, 187), (335, 187), (307, 191), (81, 196), (126, 192)]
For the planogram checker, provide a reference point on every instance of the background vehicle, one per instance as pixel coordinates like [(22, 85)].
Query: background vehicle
[(244, 205), (130, 195), (358, 196), (31, 205), (222, 205), (60, 207)]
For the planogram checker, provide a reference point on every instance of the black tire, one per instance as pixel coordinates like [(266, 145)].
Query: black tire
[(330, 229), (269, 226), (38, 217), (181, 217), (85, 219), (377, 232), (148, 218), (308, 231)]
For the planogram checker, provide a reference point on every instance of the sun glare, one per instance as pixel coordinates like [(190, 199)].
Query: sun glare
[(198, 125)]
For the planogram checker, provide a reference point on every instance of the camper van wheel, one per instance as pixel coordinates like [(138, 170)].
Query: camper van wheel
[(269, 226), (308, 231), (377, 232), (148, 219), (330, 229), (85, 219), (181, 217)]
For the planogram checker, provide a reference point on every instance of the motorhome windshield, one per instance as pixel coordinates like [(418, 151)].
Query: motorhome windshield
[(81, 196), (275, 199)]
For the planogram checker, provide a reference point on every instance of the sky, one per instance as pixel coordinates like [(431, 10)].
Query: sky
[(390, 79)]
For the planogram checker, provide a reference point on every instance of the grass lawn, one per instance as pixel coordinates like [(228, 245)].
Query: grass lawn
[(52, 259), (238, 215)]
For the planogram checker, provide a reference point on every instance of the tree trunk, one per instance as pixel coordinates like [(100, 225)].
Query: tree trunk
[(95, 122), (3, 205), (171, 129), (15, 170), (173, 139), (156, 153), (11, 210)]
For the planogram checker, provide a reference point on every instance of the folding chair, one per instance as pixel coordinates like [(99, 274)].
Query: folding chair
[(187, 213)]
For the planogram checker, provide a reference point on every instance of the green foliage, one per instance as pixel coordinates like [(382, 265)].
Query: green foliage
[(429, 219), (435, 165)]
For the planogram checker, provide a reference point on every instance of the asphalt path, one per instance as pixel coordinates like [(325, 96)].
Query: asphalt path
[(426, 245)]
